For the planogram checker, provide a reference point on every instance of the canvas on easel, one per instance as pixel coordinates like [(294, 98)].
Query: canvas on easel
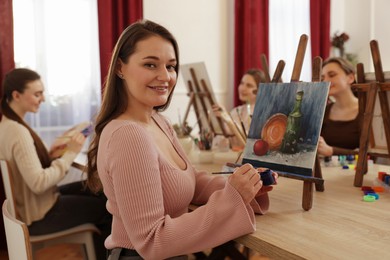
[(279, 129), (202, 97), (286, 126)]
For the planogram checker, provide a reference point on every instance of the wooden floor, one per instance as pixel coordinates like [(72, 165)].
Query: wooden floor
[(73, 252), (59, 252)]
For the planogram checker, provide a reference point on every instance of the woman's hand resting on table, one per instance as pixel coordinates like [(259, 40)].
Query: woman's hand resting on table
[(323, 148), (246, 180)]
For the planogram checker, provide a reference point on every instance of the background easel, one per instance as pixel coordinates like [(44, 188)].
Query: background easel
[(367, 92), (202, 100)]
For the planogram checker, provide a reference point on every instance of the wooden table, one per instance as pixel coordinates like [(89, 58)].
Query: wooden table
[(339, 226)]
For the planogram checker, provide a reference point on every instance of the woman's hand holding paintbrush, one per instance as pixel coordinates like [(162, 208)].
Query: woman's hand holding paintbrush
[(246, 180)]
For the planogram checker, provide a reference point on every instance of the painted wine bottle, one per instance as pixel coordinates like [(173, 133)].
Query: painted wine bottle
[(293, 128)]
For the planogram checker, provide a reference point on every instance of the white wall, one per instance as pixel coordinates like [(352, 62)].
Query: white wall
[(204, 31), (363, 20)]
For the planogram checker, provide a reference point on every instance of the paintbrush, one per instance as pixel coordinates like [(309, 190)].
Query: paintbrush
[(266, 176)]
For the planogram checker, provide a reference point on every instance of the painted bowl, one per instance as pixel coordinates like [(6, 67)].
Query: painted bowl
[(273, 130)]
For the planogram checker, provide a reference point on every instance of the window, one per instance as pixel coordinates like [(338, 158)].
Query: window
[(59, 40), (288, 20)]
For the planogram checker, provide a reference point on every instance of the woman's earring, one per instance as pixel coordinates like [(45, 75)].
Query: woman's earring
[(120, 75)]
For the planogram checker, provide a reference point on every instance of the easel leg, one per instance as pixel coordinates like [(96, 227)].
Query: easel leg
[(318, 174), (363, 147), (307, 196)]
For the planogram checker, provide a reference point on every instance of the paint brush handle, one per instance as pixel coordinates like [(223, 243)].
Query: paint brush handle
[(266, 176)]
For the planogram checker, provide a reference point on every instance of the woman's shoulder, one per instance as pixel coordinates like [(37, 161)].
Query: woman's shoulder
[(12, 127), (13, 133), (121, 126)]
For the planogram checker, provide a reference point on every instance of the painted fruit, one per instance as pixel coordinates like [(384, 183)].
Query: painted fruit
[(260, 147)]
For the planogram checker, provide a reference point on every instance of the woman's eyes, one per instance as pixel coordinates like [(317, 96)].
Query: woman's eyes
[(330, 75), (171, 67), (153, 66), (248, 85), (150, 65)]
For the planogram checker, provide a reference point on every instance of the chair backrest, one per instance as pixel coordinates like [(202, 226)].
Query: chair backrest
[(8, 186), (17, 235), (17, 232)]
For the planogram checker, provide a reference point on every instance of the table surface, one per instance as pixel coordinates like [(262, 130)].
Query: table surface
[(340, 224)]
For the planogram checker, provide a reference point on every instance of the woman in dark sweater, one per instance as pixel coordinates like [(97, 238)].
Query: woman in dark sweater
[(341, 127)]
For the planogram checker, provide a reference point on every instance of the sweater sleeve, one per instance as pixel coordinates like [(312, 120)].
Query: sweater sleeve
[(25, 155), (206, 185), (133, 163)]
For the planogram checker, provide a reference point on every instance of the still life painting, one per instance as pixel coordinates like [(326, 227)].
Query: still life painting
[(286, 125)]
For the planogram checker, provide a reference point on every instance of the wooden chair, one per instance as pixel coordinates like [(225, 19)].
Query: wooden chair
[(16, 233), (82, 234)]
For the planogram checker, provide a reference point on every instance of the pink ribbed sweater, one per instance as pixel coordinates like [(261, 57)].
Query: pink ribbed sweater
[(149, 198)]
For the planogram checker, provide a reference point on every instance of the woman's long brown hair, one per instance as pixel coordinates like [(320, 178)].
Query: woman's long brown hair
[(17, 80), (115, 99)]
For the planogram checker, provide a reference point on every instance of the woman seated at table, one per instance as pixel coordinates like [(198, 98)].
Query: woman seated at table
[(242, 114), (136, 158), (341, 129), (43, 206)]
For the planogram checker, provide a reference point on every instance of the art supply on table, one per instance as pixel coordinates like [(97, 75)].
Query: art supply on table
[(327, 161), (371, 193), (205, 140), (342, 159), (382, 182), (368, 198)]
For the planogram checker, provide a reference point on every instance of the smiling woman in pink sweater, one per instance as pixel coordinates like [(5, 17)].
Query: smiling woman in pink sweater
[(149, 182)]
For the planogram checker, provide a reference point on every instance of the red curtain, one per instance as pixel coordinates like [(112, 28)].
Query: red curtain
[(6, 64), (320, 28), (250, 39), (113, 18), (6, 40)]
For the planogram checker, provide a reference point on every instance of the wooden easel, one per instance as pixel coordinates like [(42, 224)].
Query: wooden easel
[(316, 178), (199, 93), (228, 249), (367, 92)]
